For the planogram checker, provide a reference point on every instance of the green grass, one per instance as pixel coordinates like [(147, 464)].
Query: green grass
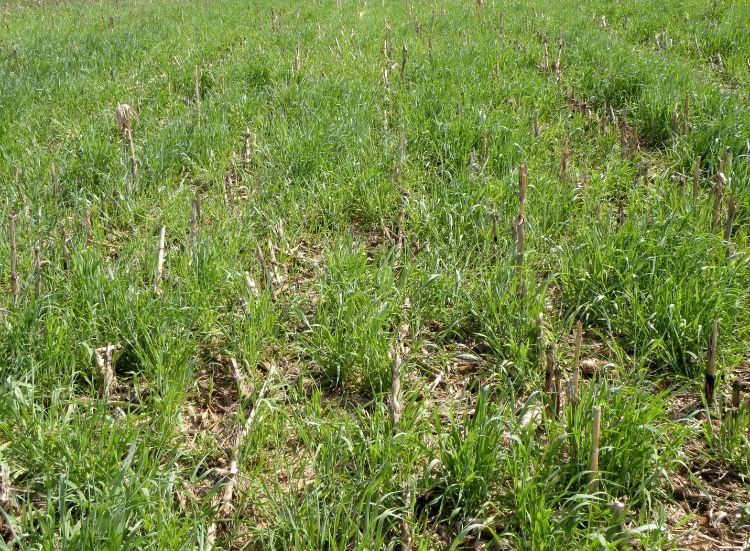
[(358, 190)]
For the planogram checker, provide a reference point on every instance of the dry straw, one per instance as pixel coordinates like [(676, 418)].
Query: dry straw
[(564, 155), (401, 240), (484, 147), (37, 273), (277, 279), (267, 274), (473, 164), (401, 152), (54, 181), (711, 364), (397, 351), (558, 390), (696, 178), (404, 55), (160, 259), (577, 359), (731, 211), (224, 499), (594, 457), (197, 88), (557, 67), (194, 219), (123, 116), (249, 147), (518, 224), (65, 250), (718, 192), (104, 359), (13, 256), (549, 381)]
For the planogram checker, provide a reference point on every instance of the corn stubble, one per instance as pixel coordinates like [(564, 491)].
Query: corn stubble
[(275, 303)]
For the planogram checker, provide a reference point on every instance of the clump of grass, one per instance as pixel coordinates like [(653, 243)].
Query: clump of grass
[(625, 282), (346, 211), (351, 332), (469, 463)]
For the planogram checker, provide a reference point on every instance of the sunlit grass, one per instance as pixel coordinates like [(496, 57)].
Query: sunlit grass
[(373, 191)]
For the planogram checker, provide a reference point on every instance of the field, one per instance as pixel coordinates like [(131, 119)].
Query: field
[(353, 274)]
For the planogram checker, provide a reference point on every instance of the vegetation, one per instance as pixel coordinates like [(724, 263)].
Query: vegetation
[(318, 286)]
